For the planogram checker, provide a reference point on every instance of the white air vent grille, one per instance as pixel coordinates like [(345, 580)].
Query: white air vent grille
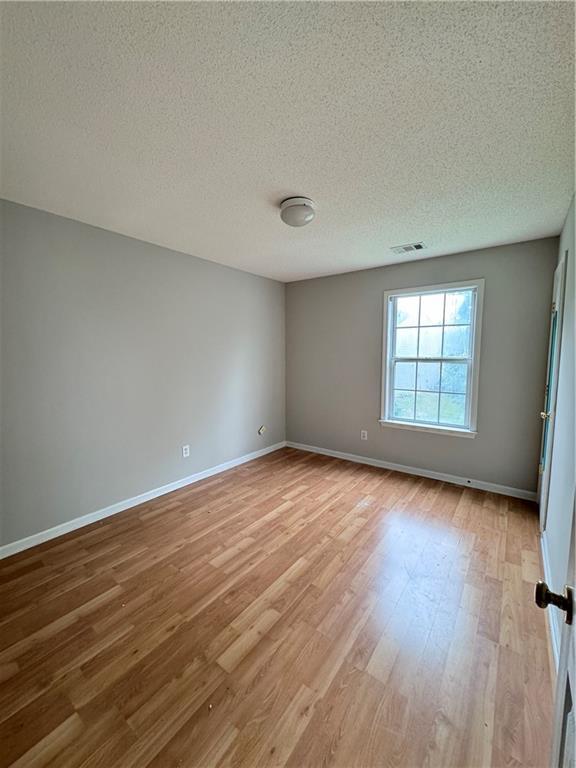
[(408, 248)]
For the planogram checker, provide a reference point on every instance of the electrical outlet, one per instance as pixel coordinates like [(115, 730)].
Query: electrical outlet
[(185, 451), (363, 434), (262, 430)]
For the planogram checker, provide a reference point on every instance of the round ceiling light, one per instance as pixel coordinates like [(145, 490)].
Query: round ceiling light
[(297, 211)]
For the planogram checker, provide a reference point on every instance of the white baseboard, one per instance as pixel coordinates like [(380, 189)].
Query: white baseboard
[(504, 490), (79, 522), (120, 506), (553, 628)]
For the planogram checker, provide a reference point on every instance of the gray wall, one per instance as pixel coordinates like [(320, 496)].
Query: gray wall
[(116, 353), (563, 465), (334, 343)]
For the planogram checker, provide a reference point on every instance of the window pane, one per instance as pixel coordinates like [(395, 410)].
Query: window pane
[(456, 340), (406, 342), (453, 409), (454, 376), (458, 307), (405, 375), (428, 377), (427, 406), (432, 309), (403, 405), (407, 310), (430, 342)]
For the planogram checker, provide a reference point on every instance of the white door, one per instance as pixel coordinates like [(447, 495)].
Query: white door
[(564, 733), (563, 747), (551, 389)]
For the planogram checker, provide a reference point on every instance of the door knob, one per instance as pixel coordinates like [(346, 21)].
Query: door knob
[(544, 415), (543, 597)]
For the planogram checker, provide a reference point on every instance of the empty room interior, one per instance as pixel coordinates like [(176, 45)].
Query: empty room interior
[(287, 391)]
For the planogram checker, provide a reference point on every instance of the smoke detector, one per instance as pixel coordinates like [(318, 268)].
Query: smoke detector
[(297, 211)]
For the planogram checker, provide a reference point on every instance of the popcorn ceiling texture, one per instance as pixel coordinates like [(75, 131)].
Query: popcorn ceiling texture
[(185, 124)]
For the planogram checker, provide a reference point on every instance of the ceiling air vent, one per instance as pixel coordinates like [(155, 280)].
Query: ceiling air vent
[(408, 248)]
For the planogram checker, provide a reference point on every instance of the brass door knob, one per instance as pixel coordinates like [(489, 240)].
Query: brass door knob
[(543, 597)]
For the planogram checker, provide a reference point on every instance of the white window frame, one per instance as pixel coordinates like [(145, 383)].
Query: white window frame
[(473, 360)]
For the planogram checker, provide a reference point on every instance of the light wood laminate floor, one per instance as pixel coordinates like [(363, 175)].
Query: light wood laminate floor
[(297, 610)]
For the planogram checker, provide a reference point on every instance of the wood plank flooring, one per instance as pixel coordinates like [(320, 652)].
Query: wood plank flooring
[(297, 610)]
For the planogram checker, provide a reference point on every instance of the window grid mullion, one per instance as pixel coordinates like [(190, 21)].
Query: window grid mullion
[(434, 325), (432, 359), (439, 392), (417, 361), (441, 363)]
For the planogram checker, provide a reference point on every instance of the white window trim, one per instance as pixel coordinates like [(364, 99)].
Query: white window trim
[(384, 420)]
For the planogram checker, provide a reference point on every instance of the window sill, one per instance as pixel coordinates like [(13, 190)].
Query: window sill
[(450, 431)]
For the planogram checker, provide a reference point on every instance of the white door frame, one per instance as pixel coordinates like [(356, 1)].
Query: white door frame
[(550, 392), (564, 723)]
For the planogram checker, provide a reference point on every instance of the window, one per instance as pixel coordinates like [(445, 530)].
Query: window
[(431, 355)]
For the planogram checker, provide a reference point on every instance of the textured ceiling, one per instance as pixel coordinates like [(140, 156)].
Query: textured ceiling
[(185, 124)]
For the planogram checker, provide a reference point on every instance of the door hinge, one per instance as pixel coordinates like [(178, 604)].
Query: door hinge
[(541, 468)]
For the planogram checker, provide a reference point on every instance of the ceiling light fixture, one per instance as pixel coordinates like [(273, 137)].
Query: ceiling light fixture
[(297, 211)]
